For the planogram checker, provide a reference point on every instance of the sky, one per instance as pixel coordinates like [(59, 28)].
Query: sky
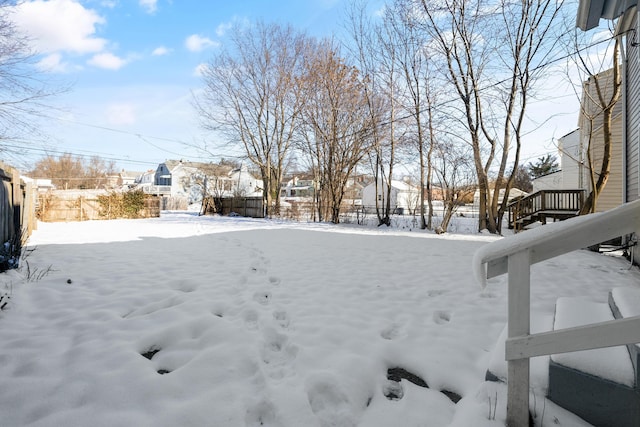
[(251, 322), (132, 69)]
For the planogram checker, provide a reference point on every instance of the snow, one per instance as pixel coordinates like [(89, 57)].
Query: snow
[(194, 321), (539, 366), (627, 300), (612, 363), (546, 241)]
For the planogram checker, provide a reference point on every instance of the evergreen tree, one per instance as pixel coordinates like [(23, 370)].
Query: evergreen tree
[(543, 166)]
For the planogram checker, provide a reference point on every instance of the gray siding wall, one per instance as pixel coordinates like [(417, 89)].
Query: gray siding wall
[(633, 118)]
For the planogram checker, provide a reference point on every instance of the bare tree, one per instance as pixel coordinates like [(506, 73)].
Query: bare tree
[(492, 52), (453, 168), (375, 55), (23, 90), (420, 101), (250, 95), (337, 124), (71, 172), (599, 72), (97, 171)]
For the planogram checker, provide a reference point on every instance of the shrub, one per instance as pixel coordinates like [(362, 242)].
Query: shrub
[(10, 251), (129, 204)]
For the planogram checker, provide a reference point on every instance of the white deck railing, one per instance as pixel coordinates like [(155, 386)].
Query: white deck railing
[(515, 255), (157, 189)]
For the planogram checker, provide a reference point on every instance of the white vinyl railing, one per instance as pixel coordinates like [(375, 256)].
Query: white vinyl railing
[(514, 255)]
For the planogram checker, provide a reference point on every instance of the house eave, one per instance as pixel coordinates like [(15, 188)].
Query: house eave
[(591, 11), (589, 14)]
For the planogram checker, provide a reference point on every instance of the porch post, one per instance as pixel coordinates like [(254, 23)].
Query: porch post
[(518, 325)]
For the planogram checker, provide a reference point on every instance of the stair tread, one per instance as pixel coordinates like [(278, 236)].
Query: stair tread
[(627, 300), (612, 363)]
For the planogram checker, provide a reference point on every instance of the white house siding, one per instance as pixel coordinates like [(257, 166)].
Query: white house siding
[(570, 153), (633, 117), (612, 194), (552, 181), (403, 195), (369, 196)]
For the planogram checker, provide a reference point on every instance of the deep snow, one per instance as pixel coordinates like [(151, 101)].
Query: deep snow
[(211, 321)]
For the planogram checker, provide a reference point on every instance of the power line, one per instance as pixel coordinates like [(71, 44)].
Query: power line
[(147, 138), (110, 129), (47, 151)]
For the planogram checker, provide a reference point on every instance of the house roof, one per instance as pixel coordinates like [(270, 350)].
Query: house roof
[(591, 11), (130, 174), (213, 168), (398, 185)]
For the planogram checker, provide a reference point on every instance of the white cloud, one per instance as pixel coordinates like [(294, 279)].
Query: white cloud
[(196, 43), (160, 51), (223, 28), (198, 71), (150, 6), (60, 26), (53, 64), (108, 61), (121, 114)]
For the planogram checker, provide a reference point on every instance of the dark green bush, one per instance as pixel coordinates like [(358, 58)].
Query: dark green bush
[(129, 204)]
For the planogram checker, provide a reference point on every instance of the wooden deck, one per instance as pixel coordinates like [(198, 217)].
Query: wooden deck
[(544, 205)]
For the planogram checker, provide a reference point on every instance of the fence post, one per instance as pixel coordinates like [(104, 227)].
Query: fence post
[(17, 202), (518, 268)]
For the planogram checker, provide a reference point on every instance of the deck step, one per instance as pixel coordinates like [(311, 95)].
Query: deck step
[(597, 385), (624, 303)]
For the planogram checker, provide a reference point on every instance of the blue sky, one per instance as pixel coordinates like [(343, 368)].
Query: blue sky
[(132, 69)]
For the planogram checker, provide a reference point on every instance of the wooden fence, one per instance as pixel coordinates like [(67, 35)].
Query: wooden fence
[(17, 205), (55, 207), (244, 206)]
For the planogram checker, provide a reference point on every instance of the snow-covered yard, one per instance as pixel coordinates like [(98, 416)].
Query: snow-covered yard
[(210, 321)]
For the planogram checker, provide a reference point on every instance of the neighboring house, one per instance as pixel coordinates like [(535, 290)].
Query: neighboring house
[(574, 159), (570, 174), (128, 179), (591, 129), (243, 183), (628, 25), (550, 181), (40, 184), (589, 15), (581, 381), (299, 187), (179, 178), (403, 196), (145, 179), (571, 166), (513, 193)]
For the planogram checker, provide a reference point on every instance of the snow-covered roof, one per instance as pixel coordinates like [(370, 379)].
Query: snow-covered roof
[(399, 185)]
